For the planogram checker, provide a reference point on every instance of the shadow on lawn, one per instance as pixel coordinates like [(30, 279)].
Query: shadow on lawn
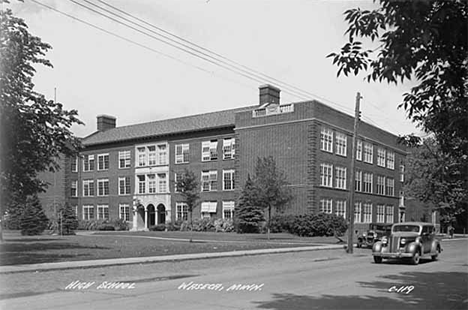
[(18, 252), (434, 290)]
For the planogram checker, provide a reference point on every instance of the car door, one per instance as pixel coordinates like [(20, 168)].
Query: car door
[(427, 238)]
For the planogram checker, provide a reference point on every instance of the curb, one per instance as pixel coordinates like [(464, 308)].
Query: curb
[(154, 259)]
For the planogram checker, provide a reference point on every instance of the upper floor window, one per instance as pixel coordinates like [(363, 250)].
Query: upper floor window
[(209, 180), (152, 155), (88, 163), (359, 150), (88, 188), (380, 185), (340, 177), (390, 160), (326, 175), (367, 188), (162, 183), (381, 157), (228, 180), (74, 189), (368, 153), (326, 205), (228, 148), (74, 164), (358, 181), (151, 151), (162, 154), (141, 153), (124, 186), (390, 190), (103, 187), (151, 183), (326, 140), (124, 159), (209, 150), (182, 153), (141, 184), (103, 162), (340, 147)]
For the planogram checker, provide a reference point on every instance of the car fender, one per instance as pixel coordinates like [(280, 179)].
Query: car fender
[(377, 247), (434, 246), (414, 247)]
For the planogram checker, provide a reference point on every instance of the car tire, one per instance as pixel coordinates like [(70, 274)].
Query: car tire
[(377, 259), (415, 258)]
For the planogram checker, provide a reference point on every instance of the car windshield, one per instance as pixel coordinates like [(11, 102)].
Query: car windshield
[(380, 227), (406, 228)]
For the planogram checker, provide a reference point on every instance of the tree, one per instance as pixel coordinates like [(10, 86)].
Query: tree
[(187, 186), (33, 219), (271, 187), (432, 177), (425, 42), (67, 221), (34, 131), (248, 214)]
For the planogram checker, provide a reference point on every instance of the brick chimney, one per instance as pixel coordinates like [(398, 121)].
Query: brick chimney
[(269, 94), (105, 122)]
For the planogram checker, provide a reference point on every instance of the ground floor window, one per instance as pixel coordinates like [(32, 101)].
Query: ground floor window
[(341, 208), (389, 214), (357, 212), (124, 212), (103, 212), (88, 212), (367, 212), (228, 209), (326, 205), (181, 211), (208, 209), (380, 213)]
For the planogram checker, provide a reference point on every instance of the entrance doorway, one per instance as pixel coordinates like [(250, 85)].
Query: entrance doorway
[(161, 214), (151, 215)]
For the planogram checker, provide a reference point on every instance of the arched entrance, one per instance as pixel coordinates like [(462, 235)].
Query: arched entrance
[(151, 215), (161, 214)]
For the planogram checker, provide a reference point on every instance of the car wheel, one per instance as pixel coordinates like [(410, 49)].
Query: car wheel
[(415, 258), (377, 259)]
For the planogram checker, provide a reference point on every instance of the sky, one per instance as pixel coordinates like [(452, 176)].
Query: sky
[(137, 78)]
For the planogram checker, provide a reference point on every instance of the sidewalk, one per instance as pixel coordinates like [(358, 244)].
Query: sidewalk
[(153, 259)]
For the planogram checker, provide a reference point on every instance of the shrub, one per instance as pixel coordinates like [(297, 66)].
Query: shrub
[(107, 227), (117, 224), (120, 224), (33, 219), (321, 224), (159, 227), (282, 223)]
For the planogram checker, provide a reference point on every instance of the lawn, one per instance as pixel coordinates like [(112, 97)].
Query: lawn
[(46, 248)]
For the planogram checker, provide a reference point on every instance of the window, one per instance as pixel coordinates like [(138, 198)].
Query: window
[(358, 181), (103, 187), (124, 186), (74, 164), (326, 175), (341, 208), (162, 183), (124, 212), (103, 162), (88, 212), (181, 211), (177, 178), (141, 151), (208, 209), (228, 148), (380, 213), (162, 154), (390, 160), (389, 214), (209, 181), (402, 173), (390, 190), (380, 185), (88, 163), (381, 157), (340, 177), (151, 155), (359, 150), (182, 153), (368, 153), (326, 205), (228, 180), (367, 188), (228, 209), (326, 140), (340, 146), (74, 189), (103, 212), (367, 212), (151, 183), (141, 184), (88, 188), (124, 159), (209, 150), (357, 212)]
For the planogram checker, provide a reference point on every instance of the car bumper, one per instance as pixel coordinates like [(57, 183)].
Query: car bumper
[(393, 255)]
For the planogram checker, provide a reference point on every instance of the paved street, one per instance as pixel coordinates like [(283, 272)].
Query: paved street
[(326, 279)]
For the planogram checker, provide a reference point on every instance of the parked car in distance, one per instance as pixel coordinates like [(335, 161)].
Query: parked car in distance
[(410, 240), (375, 233)]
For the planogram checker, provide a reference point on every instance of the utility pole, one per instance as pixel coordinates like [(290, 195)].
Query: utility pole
[(353, 176)]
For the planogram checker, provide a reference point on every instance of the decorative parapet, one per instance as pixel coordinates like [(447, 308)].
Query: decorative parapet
[(273, 109)]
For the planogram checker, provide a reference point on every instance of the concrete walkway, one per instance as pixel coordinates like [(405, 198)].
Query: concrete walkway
[(153, 259)]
